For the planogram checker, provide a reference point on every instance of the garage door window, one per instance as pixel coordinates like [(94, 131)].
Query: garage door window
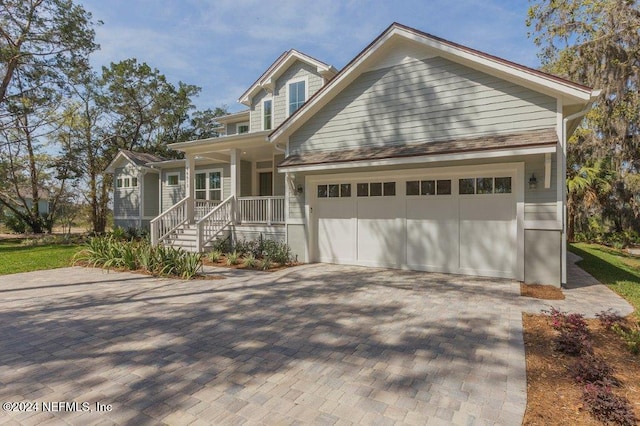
[(334, 190), (485, 185), (429, 187), (503, 185), (376, 189)]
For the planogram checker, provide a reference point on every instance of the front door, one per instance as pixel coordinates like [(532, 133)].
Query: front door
[(266, 183), (208, 185)]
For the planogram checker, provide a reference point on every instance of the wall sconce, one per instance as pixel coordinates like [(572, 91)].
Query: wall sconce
[(533, 182), (300, 189)]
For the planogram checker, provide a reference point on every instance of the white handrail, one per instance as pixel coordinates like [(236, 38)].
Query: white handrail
[(168, 221), (214, 222)]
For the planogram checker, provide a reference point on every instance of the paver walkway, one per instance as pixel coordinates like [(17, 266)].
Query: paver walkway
[(319, 344)]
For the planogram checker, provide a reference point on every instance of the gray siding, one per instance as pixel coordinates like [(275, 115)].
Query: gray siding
[(231, 129), (151, 195), (422, 100), (297, 70), (296, 201), (255, 124), (172, 194), (248, 233), (296, 240), (126, 201), (542, 255)]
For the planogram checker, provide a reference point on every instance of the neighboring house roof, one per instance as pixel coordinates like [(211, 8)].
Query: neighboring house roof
[(572, 92), (268, 78), (140, 159), (539, 138)]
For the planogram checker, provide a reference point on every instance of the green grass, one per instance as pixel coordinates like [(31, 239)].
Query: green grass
[(14, 257), (615, 268)]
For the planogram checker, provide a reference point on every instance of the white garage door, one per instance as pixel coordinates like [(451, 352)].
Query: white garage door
[(456, 224)]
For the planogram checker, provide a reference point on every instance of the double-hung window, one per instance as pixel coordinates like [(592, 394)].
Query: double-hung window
[(297, 95), (267, 114)]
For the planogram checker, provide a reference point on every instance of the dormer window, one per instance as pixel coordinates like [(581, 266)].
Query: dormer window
[(297, 95), (243, 128)]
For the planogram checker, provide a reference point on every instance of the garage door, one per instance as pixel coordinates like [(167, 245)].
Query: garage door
[(457, 224)]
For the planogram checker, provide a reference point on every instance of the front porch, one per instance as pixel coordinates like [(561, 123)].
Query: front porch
[(226, 185)]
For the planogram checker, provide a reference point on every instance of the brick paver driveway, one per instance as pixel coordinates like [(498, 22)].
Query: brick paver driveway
[(314, 344)]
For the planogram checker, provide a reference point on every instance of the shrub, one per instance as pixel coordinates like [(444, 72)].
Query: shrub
[(250, 261), (573, 338), (266, 264), (608, 407), (609, 318), (592, 369), (276, 251), (233, 258), (215, 256), (630, 336), (222, 245), (15, 224)]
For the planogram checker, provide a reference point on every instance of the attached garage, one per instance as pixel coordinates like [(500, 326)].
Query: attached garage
[(452, 220)]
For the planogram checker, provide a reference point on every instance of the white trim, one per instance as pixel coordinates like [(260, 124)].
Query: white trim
[(207, 189), (167, 175), (306, 93), (419, 159), (266, 99), (547, 170), (243, 123)]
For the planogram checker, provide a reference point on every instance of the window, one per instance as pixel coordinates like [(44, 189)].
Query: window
[(413, 187), (389, 189), (375, 189), (267, 114), (172, 179), (243, 128), (334, 190), (503, 185), (363, 189), (134, 181), (208, 186), (484, 186), (297, 95), (127, 182), (119, 183), (428, 187), (467, 186), (444, 187)]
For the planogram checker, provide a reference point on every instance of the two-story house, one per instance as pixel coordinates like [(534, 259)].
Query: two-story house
[(419, 154)]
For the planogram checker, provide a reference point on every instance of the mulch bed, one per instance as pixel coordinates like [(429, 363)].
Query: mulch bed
[(553, 396), (222, 263), (546, 292)]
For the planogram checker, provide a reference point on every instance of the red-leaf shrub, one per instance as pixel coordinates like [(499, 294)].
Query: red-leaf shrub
[(608, 407)]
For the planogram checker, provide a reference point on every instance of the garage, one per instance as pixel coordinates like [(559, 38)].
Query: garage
[(459, 220)]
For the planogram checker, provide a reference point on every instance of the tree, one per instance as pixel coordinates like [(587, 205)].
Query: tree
[(41, 41), (44, 38), (597, 43)]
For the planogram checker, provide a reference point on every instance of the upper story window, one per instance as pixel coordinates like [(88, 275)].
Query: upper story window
[(243, 128), (297, 95), (267, 114)]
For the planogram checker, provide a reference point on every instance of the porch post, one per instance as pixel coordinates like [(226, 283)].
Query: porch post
[(189, 184), (235, 179)]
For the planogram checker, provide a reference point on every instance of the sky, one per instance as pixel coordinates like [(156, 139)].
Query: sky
[(223, 46)]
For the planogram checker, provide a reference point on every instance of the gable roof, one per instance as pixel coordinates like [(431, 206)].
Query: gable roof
[(535, 79), (268, 78), (139, 159)]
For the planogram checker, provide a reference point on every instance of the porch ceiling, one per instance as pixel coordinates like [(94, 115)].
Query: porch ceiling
[(247, 153)]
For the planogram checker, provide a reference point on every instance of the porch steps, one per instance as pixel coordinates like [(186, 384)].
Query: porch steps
[(185, 238)]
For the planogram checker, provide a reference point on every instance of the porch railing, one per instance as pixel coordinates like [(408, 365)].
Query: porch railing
[(203, 207), (169, 221), (214, 222), (267, 210)]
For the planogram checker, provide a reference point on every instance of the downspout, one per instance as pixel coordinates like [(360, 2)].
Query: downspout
[(594, 95)]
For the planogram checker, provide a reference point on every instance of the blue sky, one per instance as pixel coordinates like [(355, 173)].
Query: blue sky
[(224, 45)]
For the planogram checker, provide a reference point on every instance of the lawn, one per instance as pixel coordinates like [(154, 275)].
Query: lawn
[(615, 268), (15, 257)]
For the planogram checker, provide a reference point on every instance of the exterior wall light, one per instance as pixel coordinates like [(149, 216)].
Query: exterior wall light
[(533, 182), (299, 189)]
